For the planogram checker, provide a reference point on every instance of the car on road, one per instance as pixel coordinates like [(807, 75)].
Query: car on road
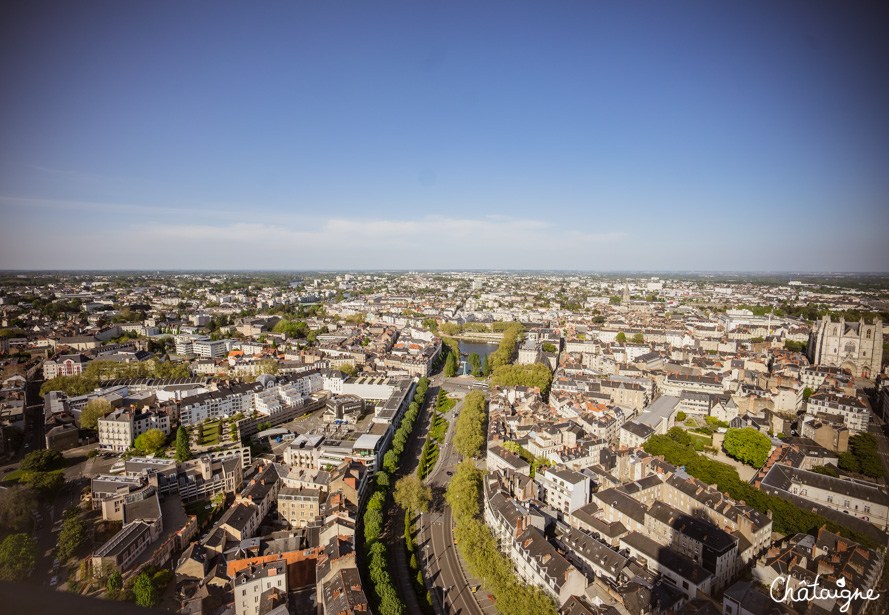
[(54, 581), (450, 473)]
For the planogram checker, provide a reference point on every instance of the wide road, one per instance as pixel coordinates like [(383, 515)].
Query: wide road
[(876, 430), (452, 593)]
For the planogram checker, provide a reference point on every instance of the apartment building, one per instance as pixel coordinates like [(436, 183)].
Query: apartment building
[(854, 413), (209, 349), (539, 563), (196, 479), (498, 458), (711, 548), (185, 343), (680, 571), (304, 451), (224, 402), (675, 384), (299, 507), (343, 594), (695, 498), (564, 490), (119, 429), (855, 498), (254, 582), (633, 435)]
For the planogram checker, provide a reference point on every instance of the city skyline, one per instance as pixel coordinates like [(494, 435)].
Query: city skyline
[(684, 137)]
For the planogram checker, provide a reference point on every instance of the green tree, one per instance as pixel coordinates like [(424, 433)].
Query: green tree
[(45, 484), (680, 416), (807, 393), (71, 537), (16, 504), (349, 369), (621, 337), (747, 445), (183, 446), (463, 491), (827, 471), (475, 364), (469, 436), (450, 328), (41, 461), (144, 591), (161, 579), (864, 447), (849, 462), (512, 332), (373, 524), (679, 435), (450, 369), (267, 366), (638, 338), (357, 319), (151, 441), (547, 347), (486, 368), (412, 495), (390, 461), (115, 582), (292, 328), (93, 411), (536, 375), (18, 554)]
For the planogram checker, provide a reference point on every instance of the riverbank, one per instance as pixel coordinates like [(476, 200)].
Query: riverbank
[(490, 338)]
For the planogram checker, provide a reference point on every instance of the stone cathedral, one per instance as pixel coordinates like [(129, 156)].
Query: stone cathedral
[(855, 346)]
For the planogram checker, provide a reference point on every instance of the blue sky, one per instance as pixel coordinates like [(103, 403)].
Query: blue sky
[(567, 135)]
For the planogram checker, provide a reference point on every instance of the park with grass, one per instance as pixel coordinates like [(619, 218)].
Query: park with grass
[(443, 403), (42, 471), (432, 447), (210, 432), (748, 448)]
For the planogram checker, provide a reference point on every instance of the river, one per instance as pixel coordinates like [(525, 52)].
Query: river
[(480, 348)]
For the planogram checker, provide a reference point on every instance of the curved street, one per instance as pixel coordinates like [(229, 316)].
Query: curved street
[(445, 573)]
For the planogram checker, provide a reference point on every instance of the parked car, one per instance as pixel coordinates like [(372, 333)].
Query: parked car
[(54, 581)]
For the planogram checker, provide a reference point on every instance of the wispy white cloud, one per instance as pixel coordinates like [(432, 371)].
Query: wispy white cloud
[(15, 202), (430, 242)]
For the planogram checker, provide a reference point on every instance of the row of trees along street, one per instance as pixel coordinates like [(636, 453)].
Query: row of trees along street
[(383, 595), (476, 543)]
